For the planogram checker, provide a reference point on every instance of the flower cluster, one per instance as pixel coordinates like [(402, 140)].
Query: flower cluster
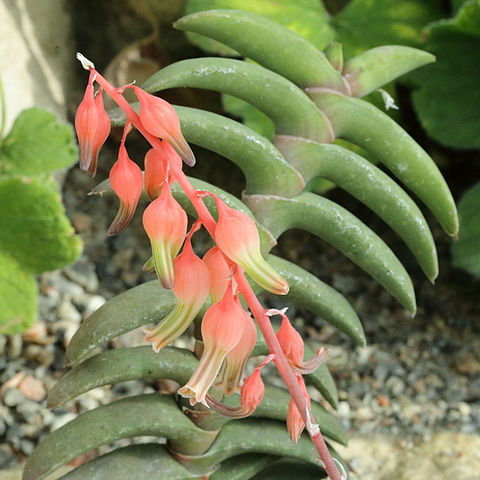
[(228, 331)]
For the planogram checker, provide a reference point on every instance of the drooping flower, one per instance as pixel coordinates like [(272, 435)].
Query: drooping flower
[(165, 222), (191, 289), (126, 181), (160, 119), (295, 422), (251, 397), (220, 273), (92, 125), (236, 359), (293, 346), (157, 168), (222, 328), (237, 237)]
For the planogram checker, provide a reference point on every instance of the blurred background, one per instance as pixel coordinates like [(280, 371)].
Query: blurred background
[(410, 399)]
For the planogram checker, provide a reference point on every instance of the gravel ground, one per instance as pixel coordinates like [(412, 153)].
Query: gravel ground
[(416, 376)]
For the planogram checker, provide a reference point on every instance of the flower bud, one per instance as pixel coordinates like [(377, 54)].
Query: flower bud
[(157, 168), (295, 422), (160, 119), (237, 237), (252, 391), (191, 289), (165, 222), (126, 181), (222, 328), (93, 128)]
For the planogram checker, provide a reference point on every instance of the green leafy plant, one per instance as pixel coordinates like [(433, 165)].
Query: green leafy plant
[(35, 234), (312, 100)]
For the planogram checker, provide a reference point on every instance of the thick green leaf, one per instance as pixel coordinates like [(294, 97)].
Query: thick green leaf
[(323, 300), (18, 297), (379, 66), (136, 307), (371, 186), (341, 229), (37, 144), (363, 124), (308, 18), (287, 469), (466, 250), (252, 435), (115, 366), (122, 365), (265, 170), (364, 24), (242, 467), (152, 414), (136, 462), (290, 109), (33, 227), (447, 99), (292, 56), (252, 117)]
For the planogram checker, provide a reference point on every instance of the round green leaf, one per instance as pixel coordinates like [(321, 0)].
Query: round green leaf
[(18, 297), (37, 144), (448, 97), (33, 227), (466, 251)]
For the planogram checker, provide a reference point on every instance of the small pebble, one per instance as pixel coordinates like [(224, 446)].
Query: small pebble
[(12, 397)]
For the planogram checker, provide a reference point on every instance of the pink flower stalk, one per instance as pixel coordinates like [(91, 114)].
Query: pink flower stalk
[(220, 273), (293, 346), (222, 328), (237, 237), (161, 120), (165, 222), (157, 168), (236, 359), (126, 181), (295, 422), (191, 289), (92, 126)]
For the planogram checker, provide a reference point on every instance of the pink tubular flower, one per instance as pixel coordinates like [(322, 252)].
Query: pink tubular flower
[(222, 328), (220, 273), (126, 181), (157, 168), (237, 237), (293, 346), (92, 126), (251, 397), (160, 119), (191, 290), (236, 359), (165, 222), (295, 422)]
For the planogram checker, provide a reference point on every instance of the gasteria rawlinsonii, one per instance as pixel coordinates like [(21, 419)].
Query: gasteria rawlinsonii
[(228, 330)]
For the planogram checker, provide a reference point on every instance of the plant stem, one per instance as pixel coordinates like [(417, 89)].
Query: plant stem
[(253, 303)]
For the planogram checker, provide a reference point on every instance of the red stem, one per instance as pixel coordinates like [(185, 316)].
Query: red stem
[(253, 303)]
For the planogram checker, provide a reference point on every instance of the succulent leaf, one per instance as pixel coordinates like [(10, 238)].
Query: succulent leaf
[(236, 28), (320, 298), (363, 124), (341, 229), (151, 414), (290, 109), (132, 309), (376, 67), (151, 460), (371, 186), (262, 164)]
